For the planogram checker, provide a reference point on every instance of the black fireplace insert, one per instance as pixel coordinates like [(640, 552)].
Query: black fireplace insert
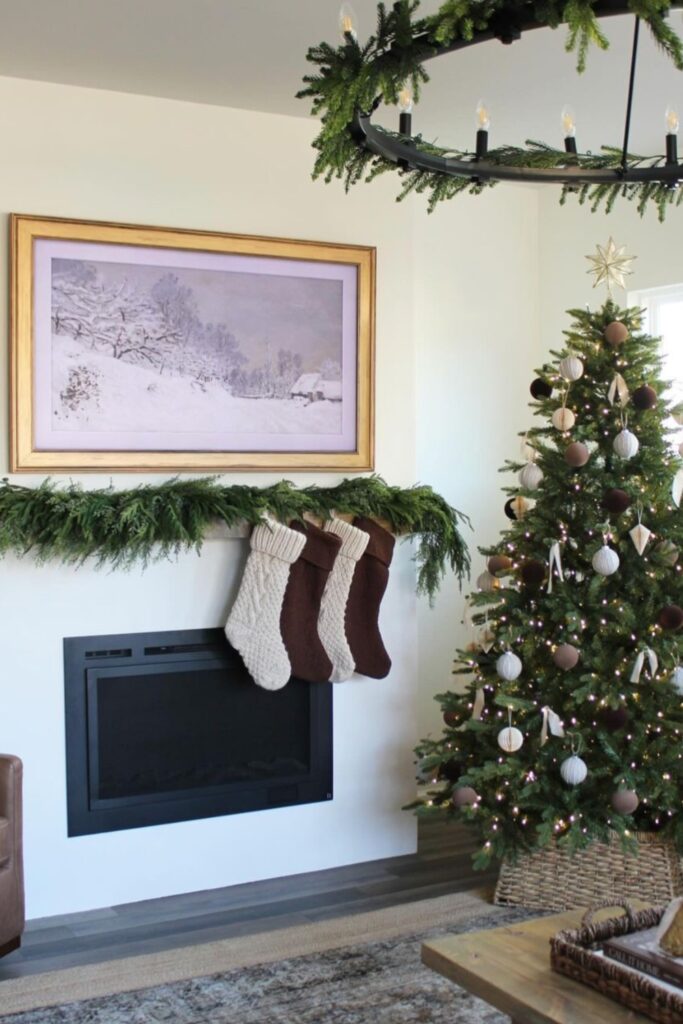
[(170, 726)]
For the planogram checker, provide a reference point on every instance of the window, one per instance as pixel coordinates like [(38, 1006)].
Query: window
[(664, 319)]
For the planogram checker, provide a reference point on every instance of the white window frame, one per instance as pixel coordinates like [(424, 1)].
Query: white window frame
[(651, 300)]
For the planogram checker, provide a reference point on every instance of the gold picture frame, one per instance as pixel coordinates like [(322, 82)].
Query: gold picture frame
[(83, 400)]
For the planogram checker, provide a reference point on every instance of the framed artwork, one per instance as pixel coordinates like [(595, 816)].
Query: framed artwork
[(153, 349)]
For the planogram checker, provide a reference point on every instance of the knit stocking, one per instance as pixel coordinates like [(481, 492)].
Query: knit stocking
[(333, 605), (253, 626), (362, 609), (301, 606)]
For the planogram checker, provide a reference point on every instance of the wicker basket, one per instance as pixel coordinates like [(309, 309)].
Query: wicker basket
[(554, 879), (576, 954)]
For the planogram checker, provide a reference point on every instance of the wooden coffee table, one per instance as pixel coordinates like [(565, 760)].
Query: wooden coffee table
[(510, 969)]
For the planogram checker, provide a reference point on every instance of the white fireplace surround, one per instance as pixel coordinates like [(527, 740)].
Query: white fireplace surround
[(372, 776)]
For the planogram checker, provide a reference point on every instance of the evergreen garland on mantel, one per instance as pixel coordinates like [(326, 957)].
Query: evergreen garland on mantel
[(147, 523)]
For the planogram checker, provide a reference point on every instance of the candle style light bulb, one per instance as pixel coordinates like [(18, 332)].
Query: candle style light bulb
[(483, 122), (405, 105), (483, 116), (568, 122), (671, 139), (348, 23), (405, 101), (672, 123), (569, 128)]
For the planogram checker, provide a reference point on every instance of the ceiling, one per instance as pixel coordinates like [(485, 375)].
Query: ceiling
[(251, 54)]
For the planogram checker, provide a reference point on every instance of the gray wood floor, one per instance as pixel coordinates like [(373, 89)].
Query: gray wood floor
[(442, 865)]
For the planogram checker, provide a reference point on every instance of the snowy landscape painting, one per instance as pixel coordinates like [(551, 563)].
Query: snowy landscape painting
[(167, 350), (149, 349)]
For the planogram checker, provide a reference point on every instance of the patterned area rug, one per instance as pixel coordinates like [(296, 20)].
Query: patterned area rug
[(379, 982)]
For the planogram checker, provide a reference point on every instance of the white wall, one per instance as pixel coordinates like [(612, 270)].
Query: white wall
[(476, 314), (73, 152)]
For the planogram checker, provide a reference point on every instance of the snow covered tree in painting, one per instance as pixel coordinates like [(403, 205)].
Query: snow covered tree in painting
[(143, 348)]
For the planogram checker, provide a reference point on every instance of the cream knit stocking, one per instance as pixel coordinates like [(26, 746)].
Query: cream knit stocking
[(253, 626), (333, 605)]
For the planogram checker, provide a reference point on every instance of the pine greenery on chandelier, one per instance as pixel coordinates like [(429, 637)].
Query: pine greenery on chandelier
[(354, 77)]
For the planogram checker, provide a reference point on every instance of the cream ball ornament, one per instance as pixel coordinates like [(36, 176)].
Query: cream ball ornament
[(563, 419), (571, 368), (677, 679), (487, 582), (510, 739), (531, 476), (509, 666), (574, 770), (605, 560), (626, 444)]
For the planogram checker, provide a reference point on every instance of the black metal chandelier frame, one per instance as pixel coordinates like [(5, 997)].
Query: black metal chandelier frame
[(404, 150)]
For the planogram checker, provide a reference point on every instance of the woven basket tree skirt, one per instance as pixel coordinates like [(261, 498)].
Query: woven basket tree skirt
[(554, 879)]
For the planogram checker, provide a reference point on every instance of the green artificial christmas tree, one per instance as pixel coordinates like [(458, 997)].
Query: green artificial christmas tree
[(571, 724)]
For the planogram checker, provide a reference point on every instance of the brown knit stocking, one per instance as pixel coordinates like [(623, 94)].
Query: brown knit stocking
[(362, 609), (301, 606)]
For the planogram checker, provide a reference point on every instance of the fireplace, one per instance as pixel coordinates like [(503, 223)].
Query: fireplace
[(164, 727)]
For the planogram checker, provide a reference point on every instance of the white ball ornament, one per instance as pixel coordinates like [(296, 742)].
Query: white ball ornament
[(571, 368), (563, 419), (508, 666), (677, 679), (626, 444), (574, 770), (531, 476), (606, 561), (510, 739)]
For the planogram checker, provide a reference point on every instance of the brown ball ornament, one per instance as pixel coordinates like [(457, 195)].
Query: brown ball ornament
[(451, 770), (498, 563), (566, 657), (532, 573), (464, 796), (625, 801), (616, 333), (644, 397), (576, 454), (616, 501), (540, 388), (613, 719), (451, 718), (517, 508), (671, 617)]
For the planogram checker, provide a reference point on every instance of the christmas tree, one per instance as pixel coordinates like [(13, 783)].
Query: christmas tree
[(571, 723)]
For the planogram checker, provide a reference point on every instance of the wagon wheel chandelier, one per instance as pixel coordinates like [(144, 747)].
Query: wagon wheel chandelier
[(355, 78)]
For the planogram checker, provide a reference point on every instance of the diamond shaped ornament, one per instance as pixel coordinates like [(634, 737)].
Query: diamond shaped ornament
[(640, 535), (486, 640)]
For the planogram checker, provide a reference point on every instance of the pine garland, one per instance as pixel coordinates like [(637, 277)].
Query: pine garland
[(147, 523), (351, 78)]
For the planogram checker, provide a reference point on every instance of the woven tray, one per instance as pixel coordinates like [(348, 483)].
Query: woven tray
[(555, 879), (574, 953)]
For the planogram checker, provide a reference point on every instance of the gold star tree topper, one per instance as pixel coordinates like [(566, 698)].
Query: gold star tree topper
[(611, 266)]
